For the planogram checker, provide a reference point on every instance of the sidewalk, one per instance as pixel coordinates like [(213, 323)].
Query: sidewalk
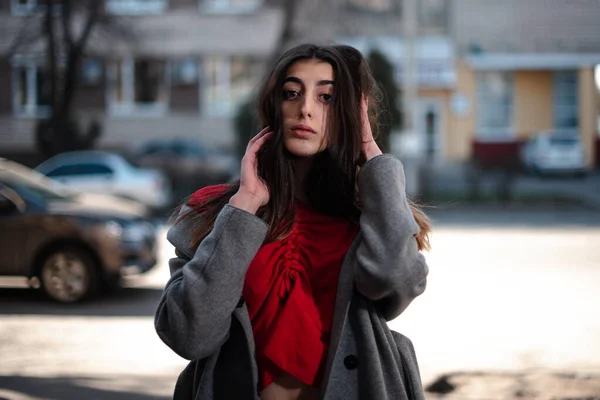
[(452, 180)]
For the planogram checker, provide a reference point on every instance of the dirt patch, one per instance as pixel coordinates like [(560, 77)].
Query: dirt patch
[(515, 386)]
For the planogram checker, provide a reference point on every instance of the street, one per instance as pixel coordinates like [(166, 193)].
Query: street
[(508, 290)]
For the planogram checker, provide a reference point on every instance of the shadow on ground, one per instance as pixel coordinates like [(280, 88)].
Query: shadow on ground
[(68, 388), (124, 302), (534, 385), (512, 216)]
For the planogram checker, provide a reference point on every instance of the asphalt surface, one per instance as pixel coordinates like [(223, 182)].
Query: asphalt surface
[(509, 290)]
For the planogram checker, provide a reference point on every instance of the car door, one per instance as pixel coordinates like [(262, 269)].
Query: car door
[(86, 176), (15, 228)]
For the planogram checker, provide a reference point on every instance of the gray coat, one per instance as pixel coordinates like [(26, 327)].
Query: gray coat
[(203, 318)]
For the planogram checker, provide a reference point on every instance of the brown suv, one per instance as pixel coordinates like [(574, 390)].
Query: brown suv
[(72, 243)]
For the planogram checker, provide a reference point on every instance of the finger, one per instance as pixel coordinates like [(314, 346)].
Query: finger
[(259, 143), (364, 109), (260, 134)]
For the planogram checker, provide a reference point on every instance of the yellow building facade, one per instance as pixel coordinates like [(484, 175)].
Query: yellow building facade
[(532, 98)]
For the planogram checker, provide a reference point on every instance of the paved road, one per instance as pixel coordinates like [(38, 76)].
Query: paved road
[(508, 290), (452, 179)]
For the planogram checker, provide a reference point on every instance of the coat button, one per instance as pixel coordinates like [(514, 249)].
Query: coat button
[(240, 303), (351, 361)]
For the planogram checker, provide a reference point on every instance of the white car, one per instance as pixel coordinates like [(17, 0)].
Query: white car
[(554, 153), (104, 172), (100, 201)]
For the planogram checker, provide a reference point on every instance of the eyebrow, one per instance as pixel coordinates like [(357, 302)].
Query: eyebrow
[(299, 81)]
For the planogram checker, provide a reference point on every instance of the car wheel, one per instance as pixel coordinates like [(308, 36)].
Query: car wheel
[(68, 275)]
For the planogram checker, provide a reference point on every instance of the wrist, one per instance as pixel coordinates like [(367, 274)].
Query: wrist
[(245, 202), (371, 151)]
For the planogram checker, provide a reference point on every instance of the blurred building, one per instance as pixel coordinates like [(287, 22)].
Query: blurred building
[(524, 66), (380, 24), (180, 70), (488, 73)]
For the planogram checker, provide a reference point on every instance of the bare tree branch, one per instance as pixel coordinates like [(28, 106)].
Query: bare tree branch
[(66, 33), (51, 52), (289, 16), (94, 13), (26, 35), (117, 27), (66, 23)]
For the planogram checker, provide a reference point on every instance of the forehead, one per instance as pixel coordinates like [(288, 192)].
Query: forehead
[(311, 71)]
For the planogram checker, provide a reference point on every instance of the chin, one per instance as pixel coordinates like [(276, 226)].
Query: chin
[(303, 148)]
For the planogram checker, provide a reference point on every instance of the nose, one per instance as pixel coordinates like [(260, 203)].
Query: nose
[(307, 108)]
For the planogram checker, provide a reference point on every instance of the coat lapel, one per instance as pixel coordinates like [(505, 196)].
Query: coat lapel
[(342, 303)]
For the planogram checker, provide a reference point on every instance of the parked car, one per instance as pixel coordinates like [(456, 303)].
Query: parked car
[(105, 172), (73, 244), (186, 158), (557, 153)]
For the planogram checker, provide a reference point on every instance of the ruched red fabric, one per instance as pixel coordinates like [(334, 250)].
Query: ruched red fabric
[(290, 291)]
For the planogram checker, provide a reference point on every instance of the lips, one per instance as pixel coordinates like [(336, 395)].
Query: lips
[(303, 129)]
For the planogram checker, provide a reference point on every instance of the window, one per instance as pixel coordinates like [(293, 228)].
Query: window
[(564, 101), (23, 7), (433, 17), (597, 80), (495, 104), (227, 82), (31, 89), (79, 170), (184, 71), (27, 7), (377, 6), (91, 71), (230, 6), (136, 7), (138, 87)]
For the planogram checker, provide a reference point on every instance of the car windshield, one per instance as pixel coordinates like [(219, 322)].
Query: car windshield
[(563, 141), (30, 189)]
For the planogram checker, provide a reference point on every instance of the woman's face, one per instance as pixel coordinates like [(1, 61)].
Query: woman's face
[(307, 92)]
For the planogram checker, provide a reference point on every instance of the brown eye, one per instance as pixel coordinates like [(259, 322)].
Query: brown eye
[(326, 97), (290, 94)]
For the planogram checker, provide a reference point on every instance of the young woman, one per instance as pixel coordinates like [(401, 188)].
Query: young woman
[(283, 282)]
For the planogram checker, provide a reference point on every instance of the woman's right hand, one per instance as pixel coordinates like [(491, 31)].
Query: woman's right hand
[(253, 192)]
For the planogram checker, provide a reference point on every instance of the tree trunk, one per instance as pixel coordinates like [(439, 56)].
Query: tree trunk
[(63, 133), (289, 16), (49, 135)]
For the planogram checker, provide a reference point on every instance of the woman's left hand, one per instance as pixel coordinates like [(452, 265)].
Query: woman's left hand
[(369, 148)]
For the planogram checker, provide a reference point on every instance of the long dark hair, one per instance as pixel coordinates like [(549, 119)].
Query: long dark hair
[(331, 182)]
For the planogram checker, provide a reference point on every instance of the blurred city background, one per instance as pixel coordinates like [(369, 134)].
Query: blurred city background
[(112, 112)]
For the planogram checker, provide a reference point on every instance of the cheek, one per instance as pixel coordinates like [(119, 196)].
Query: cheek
[(288, 109), (324, 143), (325, 125)]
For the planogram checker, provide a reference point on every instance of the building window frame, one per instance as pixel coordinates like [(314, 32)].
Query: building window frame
[(494, 106), (218, 94), (136, 7), (597, 87), (434, 17), (229, 7), (31, 7), (128, 106), (184, 71), (18, 9), (374, 6), (31, 108), (565, 102)]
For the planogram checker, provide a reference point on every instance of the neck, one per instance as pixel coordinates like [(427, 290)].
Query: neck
[(301, 167)]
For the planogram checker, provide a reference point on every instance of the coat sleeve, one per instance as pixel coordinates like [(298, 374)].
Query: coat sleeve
[(194, 313), (390, 270)]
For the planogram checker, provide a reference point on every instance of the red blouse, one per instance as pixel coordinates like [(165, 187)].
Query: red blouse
[(290, 291)]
